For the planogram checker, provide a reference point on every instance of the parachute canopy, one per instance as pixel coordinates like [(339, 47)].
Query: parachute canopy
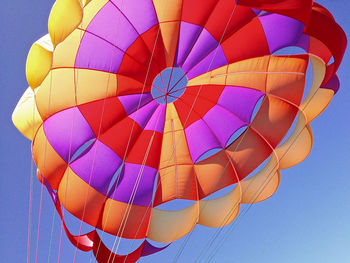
[(137, 103)]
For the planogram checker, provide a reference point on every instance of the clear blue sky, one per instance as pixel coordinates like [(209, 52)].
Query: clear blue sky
[(307, 220)]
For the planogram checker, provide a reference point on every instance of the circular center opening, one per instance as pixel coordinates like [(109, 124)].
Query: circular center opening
[(169, 85)]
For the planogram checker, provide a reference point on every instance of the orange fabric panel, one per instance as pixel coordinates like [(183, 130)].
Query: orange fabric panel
[(169, 32), (123, 220), (178, 181), (214, 174), (174, 146), (220, 211), (248, 152), (80, 199), (168, 226), (176, 175), (57, 92), (49, 163), (274, 115), (167, 11), (287, 77)]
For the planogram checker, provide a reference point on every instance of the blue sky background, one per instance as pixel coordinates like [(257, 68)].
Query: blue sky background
[(307, 220)]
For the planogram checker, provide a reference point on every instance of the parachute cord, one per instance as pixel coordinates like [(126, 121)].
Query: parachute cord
[(39, 221), (51, 234), (262, 188), (30, 209), (30, 188), (44, 166), (182, 247), (218, 231), (124, 221), (98, 134)]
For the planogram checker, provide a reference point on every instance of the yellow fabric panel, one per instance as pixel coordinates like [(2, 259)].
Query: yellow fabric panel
[(25, 116), (90, 11), (65, 16), (49, 163), (94, 85), (318, 103), (168, 226), (169, 10), (174, 147), (39, 62), (262, 185), (57, 92), (80, 199), (85, 2), (220, 211), (297, 147), (65, 54)]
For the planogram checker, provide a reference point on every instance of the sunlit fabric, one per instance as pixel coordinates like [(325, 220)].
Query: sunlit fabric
[(137, 103)]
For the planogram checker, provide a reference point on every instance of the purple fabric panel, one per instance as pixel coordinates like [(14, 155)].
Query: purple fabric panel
[(66, 131), (144, 114), (304, 42), (156, 123), (111, 24), (240, 101), (97, 53), (222, 123), (281, 31), (132, 102), (100, 163), (140, 13), (333, 84), (128, 181), (200, 139), (149, 249), (214, 60), (203, 46), (187, 37)]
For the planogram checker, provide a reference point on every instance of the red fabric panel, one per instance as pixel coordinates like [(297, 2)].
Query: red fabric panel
[(245, 42), (319, 49), (128, 85), (147, 44), (298, 9), (197, 11), (138, 152), (102, 113), (227, 18), (324, 28), (202, 104), (92, 241), (117, 137)]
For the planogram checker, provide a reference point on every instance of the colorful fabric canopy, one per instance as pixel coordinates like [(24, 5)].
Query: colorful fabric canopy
[(140, 102)]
